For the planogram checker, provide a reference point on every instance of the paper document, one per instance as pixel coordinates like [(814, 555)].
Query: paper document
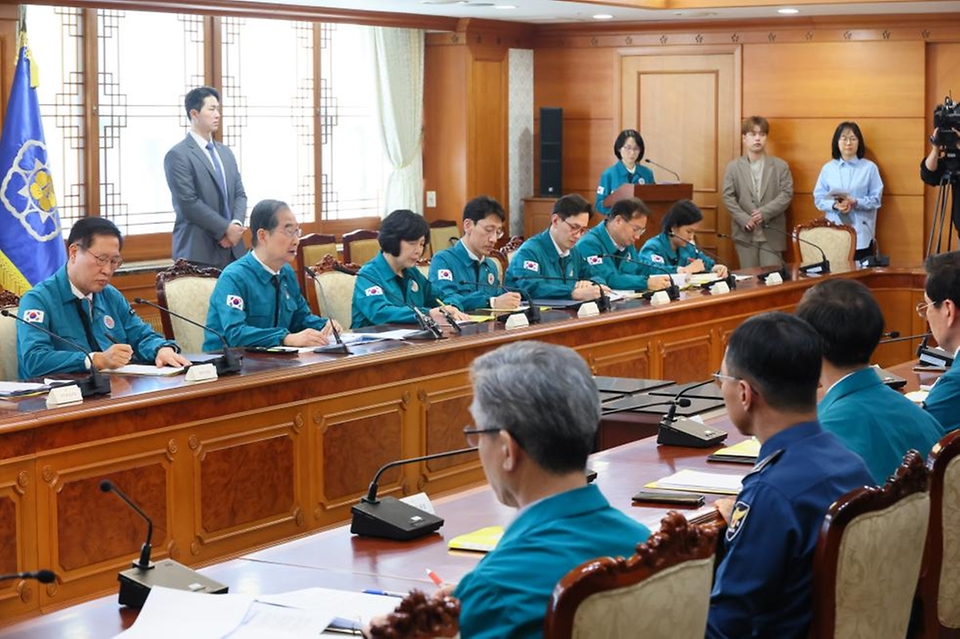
[(266, 621), (400, 333), (19, 389), (347, 609), (483, 540), (839, 194), (699, 481), (917, 396), (703, 278), (746, 448), (146, 370), (188, 615)]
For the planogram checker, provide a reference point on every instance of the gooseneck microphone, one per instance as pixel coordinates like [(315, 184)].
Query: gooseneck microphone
[(683, 402), (390, 518), (43, 576), (823, 265), (730, 279), (429, 327), (660, 166), (783, 271), (672, 291), (96, 383), (144, 562), (338, 346), (229, 362), (603, 302), (532, 312), (687, 432)]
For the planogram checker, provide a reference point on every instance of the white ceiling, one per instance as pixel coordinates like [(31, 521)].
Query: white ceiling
[(556, 12)]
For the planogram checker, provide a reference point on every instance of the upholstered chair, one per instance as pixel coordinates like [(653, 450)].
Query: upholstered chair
[(8, 337), (335, 290), (185, 289), (838, 241)]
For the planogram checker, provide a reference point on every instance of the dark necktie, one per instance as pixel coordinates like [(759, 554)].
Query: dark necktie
[(276, 306), (476, 269), (83, 308), (221, 180), (563, 267)]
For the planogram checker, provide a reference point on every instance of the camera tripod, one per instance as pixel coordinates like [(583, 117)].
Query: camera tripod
[(942, 219)]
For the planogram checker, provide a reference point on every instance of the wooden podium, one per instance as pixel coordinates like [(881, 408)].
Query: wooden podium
[(657, 197)]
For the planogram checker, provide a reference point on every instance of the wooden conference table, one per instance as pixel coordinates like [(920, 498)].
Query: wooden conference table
[(288, 445)]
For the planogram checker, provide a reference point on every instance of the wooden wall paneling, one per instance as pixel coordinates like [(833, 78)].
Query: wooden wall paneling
[(628, 357), (18, 550), (140, 283), (685, 358), (942, 77), (898, 314), (445, 108), (582, 163), (444, 405), (486, 146)]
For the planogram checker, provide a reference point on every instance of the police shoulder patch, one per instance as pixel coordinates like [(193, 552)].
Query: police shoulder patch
[(737, 519)]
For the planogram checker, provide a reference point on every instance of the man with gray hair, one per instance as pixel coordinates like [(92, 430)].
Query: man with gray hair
[(536, 410)]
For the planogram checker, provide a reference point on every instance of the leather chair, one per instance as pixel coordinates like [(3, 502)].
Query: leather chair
[(360, 246), (335, 298), (664, 589), (8, 337), (940, 579), (838, 241), (420, 615), (868, 557), (443, 235), (185, 288)]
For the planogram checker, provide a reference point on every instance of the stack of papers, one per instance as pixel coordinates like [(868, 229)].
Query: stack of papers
[(698, 481), (745, 452), (146, 370), (22, 389)]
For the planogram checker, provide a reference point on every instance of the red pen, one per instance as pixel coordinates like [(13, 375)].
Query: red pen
[(435, 578)]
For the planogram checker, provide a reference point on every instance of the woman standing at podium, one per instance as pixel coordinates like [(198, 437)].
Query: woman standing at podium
[(629, 149), (674, 249)]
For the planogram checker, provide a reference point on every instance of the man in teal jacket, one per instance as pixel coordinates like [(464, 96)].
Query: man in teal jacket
[(548, 266), (79, 304), (257, 300), (870, 418), (941, 307), (611, 255)]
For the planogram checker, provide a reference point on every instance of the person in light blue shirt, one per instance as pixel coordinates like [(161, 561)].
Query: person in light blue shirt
[(870, 418), (629, 149), (389, 284), (941, 309), (611, 255), (674, 249), (849, 188)]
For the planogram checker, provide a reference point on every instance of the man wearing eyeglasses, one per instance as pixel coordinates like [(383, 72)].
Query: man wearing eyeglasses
[(78, 303), (536, 410), (610, 252), (941, 308), (257, 300), (464, 275), (548, 266)]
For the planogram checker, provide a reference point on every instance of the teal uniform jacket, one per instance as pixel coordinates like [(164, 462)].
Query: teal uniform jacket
[(52, 305), (616, 176), (943, 401), (538, 258), (506, 595), (450, 267), (625, 272), (657, 250), (381, 301), (763, 584), (876, 422), (244, 302)]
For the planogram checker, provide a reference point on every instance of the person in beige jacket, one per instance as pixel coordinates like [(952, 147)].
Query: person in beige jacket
[(757, 191)]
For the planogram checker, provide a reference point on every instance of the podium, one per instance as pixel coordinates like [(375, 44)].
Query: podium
[(657, 197)]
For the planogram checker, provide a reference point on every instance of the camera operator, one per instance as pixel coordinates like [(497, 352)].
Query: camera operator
[(940, 167)]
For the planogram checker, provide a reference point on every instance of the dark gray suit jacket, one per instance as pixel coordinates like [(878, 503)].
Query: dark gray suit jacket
[(197, 201), (777, 185)]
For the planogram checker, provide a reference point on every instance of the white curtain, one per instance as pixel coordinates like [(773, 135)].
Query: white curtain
[(397, 59)]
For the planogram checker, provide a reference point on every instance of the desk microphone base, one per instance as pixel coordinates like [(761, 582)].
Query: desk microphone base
[(390, 518), (689, 433), (135, 583)]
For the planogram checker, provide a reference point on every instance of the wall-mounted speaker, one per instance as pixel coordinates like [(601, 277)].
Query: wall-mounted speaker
[(551, 151)]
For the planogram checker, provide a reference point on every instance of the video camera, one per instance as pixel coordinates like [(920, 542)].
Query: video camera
[(946, 118)]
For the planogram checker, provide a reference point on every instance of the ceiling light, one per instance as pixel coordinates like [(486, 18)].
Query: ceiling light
[(603, 16), (788, 12)]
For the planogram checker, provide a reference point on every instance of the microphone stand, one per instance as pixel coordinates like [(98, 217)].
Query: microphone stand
[(230, 362), (824, 264), (532, 312), (338, 347), (660, 166), (730, 279)]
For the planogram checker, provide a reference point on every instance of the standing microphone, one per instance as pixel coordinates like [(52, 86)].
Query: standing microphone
[(338, 346), (144, 562), (660, 166), (672, 291), (547, 278), (783, 271), (230, 362), (95, 384), (429, 327), (683, 402), (389, 517), (823, 266), (447, 315), (532, 312), (43, 576), (687, 432), (933, 355), (729, 279)]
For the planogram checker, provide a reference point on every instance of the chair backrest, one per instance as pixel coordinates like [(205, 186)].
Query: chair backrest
[(443, 235), (424, 267), (420, 615), (337, 290), (8, 337), (940, 581), (838, 241), (185, 288), (509, 249), (311, 250), (664, 589), (360, 246), (500, 262), (868, 557)]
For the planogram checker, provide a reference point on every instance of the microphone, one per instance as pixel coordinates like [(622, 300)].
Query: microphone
[(447, 315), (933, 355), (532, 312), (230, 362), (603, 302), (390, 518), (894, 336), (672, 291), (683, 402), (43, 576), (730, 279), (429, 327), (783, 271), (338, 346), (135, 583), (684, 431), (660, 166), (824, 264), (95, 384)]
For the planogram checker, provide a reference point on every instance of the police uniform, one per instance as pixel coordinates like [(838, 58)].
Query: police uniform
[(658, 250), (616, 176), (252, 306), (762, 587), (380, 295), (943, 401), (53, 305), (625, 271), (464, 280), (876, 422), (538, 258)]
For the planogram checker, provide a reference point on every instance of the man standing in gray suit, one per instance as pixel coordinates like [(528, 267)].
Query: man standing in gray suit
[(204, 180), (757, 190)]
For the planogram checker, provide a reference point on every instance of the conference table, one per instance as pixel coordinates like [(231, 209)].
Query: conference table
[(287, 446)]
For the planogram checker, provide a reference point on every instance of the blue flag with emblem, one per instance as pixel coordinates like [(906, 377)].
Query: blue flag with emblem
[(31, 241)]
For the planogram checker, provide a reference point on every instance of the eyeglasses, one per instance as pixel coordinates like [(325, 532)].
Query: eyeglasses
[(576, 229), (637, 230), (922, 308), (846, 139), (292, 233), (491, 231), (103, 260), (473, 434), (630, 149), (718, 377)]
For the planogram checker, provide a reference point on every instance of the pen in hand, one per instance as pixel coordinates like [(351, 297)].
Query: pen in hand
[(435, 578)]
